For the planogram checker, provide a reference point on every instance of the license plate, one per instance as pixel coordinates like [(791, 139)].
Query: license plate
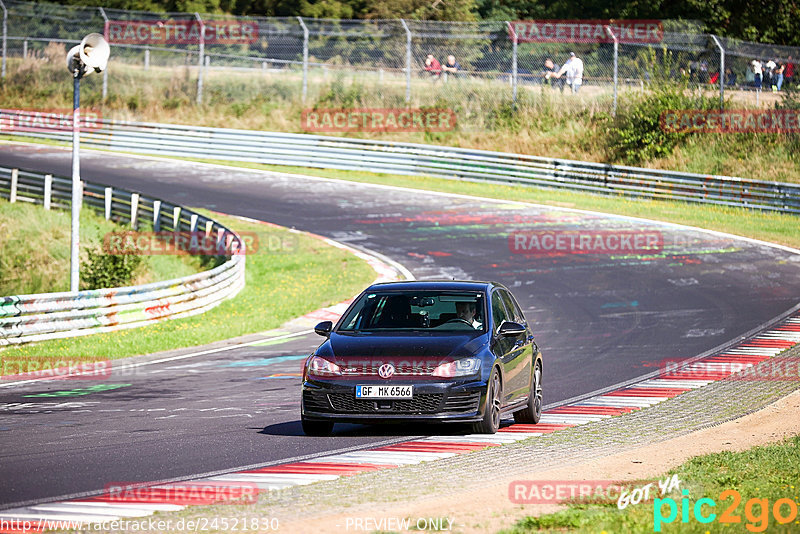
[(384, 392)]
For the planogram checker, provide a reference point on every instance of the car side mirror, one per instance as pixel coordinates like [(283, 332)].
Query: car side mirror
[(510, 328), (324, 328)]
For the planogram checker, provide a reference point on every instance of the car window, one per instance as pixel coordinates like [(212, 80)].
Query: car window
[(416, 310), (499, 313), (512, 307)]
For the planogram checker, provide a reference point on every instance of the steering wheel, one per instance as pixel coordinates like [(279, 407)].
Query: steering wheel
[(459, 320)]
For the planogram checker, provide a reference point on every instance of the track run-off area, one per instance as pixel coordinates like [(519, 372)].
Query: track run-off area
[(601, 319)]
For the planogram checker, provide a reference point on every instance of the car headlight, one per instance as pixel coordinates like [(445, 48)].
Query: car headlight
[(463, 367), (319, 366)]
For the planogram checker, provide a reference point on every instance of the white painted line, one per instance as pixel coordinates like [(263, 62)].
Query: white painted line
[(756, 351), (156, 507), (26, 513), (517, 436), (664, 383), (78, 508), (571, 419), (621, 402)]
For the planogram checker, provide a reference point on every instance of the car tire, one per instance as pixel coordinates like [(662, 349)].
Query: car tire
[(491, 414), (316, 428), (532, 413)]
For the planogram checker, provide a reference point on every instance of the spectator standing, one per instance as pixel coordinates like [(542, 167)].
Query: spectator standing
[(778, 75), (769, 71), (789, 72), (433, 66), (757, 71), (551, 75), (730, 77), (451, 67), (573, 69)]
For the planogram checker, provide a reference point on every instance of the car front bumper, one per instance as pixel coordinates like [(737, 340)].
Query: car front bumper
[(431, 401)]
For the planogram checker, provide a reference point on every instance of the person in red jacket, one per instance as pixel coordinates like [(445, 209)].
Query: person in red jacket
[(433, 66)]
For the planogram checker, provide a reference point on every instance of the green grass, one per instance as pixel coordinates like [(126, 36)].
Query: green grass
[(35, 246), (280, 285), (770, 472)]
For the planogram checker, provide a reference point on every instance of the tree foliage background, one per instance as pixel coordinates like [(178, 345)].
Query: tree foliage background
[(769, 21)]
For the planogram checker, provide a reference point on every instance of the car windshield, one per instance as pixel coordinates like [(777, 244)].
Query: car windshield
[(417, 310)]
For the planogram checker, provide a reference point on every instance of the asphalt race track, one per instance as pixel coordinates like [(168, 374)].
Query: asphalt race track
[(600, 319)]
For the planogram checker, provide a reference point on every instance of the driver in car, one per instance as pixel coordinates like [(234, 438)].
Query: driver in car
[(466, 312)]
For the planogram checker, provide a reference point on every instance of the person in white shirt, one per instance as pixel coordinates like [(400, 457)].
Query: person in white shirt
[(573, 68), (756, 64)]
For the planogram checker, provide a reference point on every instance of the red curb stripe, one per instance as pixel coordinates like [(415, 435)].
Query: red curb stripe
[(320, 468)]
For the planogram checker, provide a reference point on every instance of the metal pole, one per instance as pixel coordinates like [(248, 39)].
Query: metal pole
[(105, 36), (408, 60), (513, 63), (721, 72), (305, 57), (616, 56), (74, 276), (201, 60), (5, 35)]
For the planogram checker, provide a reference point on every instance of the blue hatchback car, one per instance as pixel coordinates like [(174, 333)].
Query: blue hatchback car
[(435, 351)]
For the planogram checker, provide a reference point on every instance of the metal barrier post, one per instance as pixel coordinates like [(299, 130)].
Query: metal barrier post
[(109, 195), (156, 215), (5, 35), (134, 210), (305, 57), (408, 60), (48, 191), (146, 57), (514, 41), (201, 60), (105, 36), (616, 56), (12, 194), (721, 72)]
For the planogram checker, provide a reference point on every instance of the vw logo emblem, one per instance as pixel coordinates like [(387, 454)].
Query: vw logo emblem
[(386, 370)]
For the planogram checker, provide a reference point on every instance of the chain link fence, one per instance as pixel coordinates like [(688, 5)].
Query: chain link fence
[(396, 62)]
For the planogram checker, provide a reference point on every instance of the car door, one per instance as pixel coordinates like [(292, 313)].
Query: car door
[(524, 345), (509, 351)]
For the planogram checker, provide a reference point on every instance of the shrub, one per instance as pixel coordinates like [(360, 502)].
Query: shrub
[(108, 270), (636, 134)]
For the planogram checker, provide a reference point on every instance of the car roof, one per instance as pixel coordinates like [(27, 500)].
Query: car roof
[(435, 285)]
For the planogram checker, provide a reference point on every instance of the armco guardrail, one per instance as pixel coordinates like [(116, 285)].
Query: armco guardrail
[(418, 159), (27, 318)]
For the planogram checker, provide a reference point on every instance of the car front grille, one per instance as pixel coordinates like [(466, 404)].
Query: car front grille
[(316, 401), (405, 369), (421, 403), (462, 402)]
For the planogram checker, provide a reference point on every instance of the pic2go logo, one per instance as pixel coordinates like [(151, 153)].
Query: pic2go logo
[(756, 511)]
